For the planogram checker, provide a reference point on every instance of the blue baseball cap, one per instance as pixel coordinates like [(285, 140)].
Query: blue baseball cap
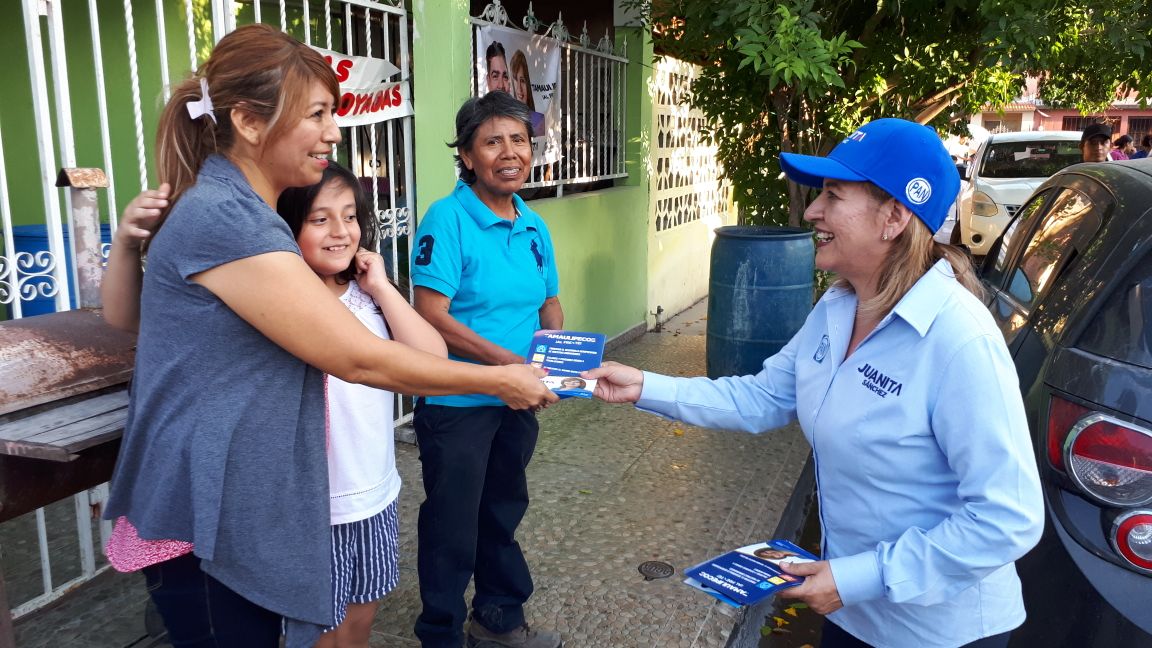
[(903, 158)]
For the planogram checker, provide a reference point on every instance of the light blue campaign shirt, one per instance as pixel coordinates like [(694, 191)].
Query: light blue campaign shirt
[(927, 482)]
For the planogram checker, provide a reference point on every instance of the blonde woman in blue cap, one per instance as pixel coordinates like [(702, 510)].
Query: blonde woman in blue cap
[(904, 387)]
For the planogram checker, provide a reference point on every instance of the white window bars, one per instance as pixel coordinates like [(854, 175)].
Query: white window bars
[(591, 96), (133, 58)]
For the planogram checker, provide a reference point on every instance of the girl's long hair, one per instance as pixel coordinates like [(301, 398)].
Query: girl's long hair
[(256, 68)]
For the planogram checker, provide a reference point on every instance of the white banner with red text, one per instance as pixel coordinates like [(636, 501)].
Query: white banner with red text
[(366, 94)]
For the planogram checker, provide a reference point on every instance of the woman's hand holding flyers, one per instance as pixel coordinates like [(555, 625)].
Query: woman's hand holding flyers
[(818, 589), (616, 383), (519, 386)]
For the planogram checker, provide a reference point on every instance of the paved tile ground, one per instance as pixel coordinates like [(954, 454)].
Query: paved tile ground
[(612, 487)]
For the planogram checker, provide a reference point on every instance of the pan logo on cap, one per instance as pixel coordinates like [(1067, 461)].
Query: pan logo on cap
[(918, 191)]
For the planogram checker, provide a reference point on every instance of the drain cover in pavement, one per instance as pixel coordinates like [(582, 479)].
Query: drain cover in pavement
[(653, 569)]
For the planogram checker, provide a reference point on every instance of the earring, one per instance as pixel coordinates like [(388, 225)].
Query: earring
[(885, 237)]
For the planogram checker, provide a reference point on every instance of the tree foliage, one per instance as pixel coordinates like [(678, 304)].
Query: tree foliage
[(797, 75), (1086, 53)]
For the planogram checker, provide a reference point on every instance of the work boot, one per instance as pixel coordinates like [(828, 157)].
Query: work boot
[(522, 637)]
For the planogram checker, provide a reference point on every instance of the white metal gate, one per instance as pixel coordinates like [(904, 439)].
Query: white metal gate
[(168, 38)]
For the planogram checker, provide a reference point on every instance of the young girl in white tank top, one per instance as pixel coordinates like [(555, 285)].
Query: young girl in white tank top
[(331, 224)]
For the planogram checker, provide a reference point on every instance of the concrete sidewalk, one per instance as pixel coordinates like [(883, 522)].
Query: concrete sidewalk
[(611, 487)]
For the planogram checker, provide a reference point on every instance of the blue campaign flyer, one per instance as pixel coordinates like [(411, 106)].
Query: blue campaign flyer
[(565, 354), (749, 574)]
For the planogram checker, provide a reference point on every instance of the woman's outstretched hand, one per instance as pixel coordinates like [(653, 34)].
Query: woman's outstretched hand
[(519, 386), (616, 383)]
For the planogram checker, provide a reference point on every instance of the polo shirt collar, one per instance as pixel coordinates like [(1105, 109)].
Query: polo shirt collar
[(484, 216), (927, 297), (919, 306)]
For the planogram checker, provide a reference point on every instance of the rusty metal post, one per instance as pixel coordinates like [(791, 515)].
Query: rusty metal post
[(82, 184)]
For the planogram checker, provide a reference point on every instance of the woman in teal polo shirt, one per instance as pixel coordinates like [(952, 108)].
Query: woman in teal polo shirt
[(485, 276)]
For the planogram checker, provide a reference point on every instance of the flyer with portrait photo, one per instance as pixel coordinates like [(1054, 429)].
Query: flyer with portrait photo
[(749, 574), (565, 354)]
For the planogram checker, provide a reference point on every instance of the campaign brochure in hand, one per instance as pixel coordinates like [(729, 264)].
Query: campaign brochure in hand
[(749, 574), (565, 354)]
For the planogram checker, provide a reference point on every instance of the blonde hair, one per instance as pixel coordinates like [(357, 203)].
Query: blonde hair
[(256, 68), (913, 252), (519, 63)]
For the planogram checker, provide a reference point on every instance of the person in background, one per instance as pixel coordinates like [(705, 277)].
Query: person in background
[(925, 502), (497, 64), (484, 272), (1096, 142), (1123, 148), (220, 494), (1129, 147), (1144, 148)]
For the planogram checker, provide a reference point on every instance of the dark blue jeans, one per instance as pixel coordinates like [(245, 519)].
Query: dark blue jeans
[(473, 461), (200, 612), (833, 636)]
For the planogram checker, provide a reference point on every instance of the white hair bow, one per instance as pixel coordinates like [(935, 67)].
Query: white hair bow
[(203, 106)]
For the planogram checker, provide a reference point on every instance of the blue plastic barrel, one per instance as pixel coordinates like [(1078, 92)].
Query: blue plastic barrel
[(759, 293), (33, 239)]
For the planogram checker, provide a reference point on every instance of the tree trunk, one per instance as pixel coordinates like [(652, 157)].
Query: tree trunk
[(782, 101), (797, 203)]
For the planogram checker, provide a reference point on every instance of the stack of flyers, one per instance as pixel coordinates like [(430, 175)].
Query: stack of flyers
[(749, 574), (565, 354)]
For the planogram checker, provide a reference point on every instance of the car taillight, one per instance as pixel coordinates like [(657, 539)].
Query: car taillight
[(983, 205), (1062, 415), (1132, 538), (1109, 459)]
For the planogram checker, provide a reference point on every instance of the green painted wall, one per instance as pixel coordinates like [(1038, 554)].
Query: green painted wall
[(603, 278), (20, 149), (601, 246), (16, 116), (441, 81)]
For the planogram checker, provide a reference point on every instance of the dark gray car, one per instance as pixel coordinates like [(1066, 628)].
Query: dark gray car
[(1070, 284)]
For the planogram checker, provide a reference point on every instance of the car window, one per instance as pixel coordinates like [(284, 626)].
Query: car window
[(1068, 225), (994, 275), (1028, 159), (1122, 330)]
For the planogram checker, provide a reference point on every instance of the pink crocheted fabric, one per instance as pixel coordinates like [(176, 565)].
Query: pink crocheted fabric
[(127, 552)]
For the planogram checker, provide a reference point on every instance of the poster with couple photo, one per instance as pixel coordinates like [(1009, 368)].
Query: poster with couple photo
[(527, 67)]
